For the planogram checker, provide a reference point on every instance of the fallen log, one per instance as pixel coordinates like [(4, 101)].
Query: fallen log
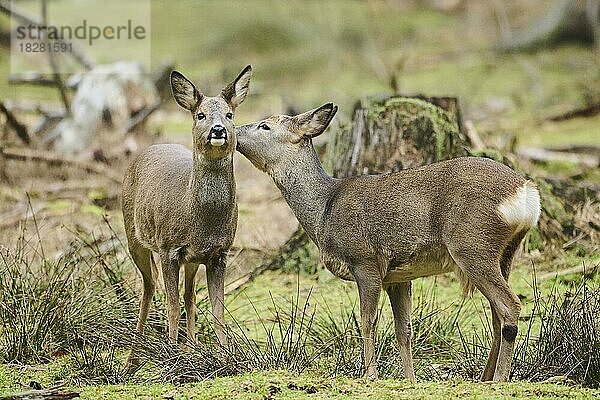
[(44, 394)]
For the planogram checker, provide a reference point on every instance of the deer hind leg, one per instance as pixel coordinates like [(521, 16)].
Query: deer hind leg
[(189, 300), (400, 299), (170, 271), (142, 258), (215, 280), (483, 269), (369, 290), (490, 367)]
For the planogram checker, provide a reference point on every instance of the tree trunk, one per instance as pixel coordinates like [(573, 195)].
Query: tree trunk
[(567, 21)]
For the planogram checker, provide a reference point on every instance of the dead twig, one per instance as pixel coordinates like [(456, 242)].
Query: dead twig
[(19, 128), (141, 116), (53, 159)]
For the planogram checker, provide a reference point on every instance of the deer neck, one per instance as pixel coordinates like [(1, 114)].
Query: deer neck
[(211, 190), (305, 186)]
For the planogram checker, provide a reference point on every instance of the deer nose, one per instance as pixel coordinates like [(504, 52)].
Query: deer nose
[(218, 131)]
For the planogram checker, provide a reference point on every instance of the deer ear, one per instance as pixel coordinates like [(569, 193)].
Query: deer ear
[(236, 91), (312, 123), (184, 91)]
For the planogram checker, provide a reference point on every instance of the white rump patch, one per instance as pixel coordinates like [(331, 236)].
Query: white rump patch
[(217, 142), (523, 208)]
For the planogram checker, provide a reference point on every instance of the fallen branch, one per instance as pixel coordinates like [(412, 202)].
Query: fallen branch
[(141, 116), (580, 269), (545, 155), (53, 159), (19, 128), (588, 111), (31, 78)]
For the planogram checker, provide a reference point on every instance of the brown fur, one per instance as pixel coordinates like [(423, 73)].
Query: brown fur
[(383, 231)]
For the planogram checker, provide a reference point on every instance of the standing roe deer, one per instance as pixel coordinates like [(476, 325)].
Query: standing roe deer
[(182, 205), (382, 231)]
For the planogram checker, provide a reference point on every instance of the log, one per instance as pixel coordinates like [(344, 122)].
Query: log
[(44, 394), (581, 112), (139, 118)]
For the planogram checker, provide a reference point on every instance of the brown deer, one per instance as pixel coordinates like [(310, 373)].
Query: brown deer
[(467, 215), (181, 204)]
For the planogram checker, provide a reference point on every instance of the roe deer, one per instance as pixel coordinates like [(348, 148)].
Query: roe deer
[(382, 231), (182, 205)]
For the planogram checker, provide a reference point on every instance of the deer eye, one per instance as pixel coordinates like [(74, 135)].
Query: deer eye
[(264, 126), (229, 115), (201, 116)]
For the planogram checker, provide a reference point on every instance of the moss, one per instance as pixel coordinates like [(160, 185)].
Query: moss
[(286, 385)]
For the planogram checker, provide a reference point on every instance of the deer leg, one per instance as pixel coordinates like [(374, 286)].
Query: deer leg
[(400, 299), (369, 289), (142, 258), (483, 270), (170, 270), (490, 367), (215, 277), (189, 299)]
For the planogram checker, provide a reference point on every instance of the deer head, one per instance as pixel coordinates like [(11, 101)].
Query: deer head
[(213, 129), (268, 142)]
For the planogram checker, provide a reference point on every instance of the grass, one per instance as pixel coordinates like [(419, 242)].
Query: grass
[(73, 319)]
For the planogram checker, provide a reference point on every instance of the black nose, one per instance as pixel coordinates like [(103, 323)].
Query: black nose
[(217, 131)]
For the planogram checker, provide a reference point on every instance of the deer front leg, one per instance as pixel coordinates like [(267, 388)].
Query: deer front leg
[(400, 299), (215, 277), (369, 289), (170, 269), (189, 301)]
